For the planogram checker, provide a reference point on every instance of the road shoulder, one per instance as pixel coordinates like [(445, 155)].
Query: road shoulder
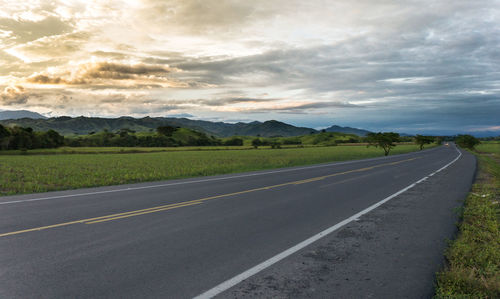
[(392, 251)]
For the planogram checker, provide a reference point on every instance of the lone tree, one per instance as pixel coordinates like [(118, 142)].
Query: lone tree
[(423, 140), (384, 140), (467, 141)]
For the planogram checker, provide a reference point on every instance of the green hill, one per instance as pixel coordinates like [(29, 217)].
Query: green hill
[(347, 130), (85, 125), (81, 125)]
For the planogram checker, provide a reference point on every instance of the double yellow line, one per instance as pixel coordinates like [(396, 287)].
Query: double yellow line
[(191, 202)]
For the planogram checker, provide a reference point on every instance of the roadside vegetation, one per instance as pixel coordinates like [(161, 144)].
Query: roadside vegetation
[(41, 173), (473, 259), (467, 141)]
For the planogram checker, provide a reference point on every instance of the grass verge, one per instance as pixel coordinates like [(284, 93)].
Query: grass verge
[(41, 173), (473, 268)]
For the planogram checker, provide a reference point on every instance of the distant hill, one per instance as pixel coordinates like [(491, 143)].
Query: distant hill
[(347, 130), (85, 125), (17, 114)]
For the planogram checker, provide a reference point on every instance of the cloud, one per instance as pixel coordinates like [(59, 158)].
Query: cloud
[(484, 129), (12, 95), (99, 73), (111, 55), (199, 17), (293, 108), (44, 79), (50, 47), (123, 71), (367, 63), (233, 100), (180, 115), (22, 30)]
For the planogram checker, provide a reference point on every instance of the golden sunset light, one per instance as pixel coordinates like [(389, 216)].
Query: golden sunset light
[(352, 63)]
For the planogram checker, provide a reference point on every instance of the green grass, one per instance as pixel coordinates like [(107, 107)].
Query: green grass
[(132, 150), (117, 150), (473, 269), (41, 173), (491, 147)]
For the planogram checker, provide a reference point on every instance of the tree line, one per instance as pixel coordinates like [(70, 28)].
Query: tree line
[(19, 138), (25, 138), (164, 137)]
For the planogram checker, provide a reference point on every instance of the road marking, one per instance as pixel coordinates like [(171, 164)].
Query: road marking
[(209, 179), (85, 220), (192, 202), (273, 260), (146, 212)]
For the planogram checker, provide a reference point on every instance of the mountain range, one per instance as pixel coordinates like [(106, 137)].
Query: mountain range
[(347, 130), (84, 125), (16, 114)]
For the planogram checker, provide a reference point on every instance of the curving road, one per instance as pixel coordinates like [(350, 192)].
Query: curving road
[(203, 236)]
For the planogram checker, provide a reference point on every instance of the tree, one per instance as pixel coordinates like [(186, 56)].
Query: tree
[(384, 140), (234, 141), (256, 142), (21, 138), (423, 140), (4, 137), (292, 140), (275, 144), (123, 132), (467, 141), (4, 132), (166, 130), (49, 139)]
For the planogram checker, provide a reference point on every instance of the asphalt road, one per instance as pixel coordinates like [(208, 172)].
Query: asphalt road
[(178, 239)]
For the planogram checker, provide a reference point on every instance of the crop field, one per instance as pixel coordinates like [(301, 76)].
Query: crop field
[(41, 173)]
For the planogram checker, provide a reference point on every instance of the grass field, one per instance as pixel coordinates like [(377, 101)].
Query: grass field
[(40, 173), (473, 269), (117, 150)]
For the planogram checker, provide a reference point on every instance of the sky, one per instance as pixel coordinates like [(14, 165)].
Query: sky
[(429, 67)]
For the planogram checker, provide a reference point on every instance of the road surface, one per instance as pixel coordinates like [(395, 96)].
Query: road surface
[(202, 236)]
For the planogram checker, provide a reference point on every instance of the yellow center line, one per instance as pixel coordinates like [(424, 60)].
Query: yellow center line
[(86, 220), (142, 213), (192, 202)]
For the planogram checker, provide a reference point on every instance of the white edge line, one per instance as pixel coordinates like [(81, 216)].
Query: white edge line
[(203, 180), (256, 269)]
